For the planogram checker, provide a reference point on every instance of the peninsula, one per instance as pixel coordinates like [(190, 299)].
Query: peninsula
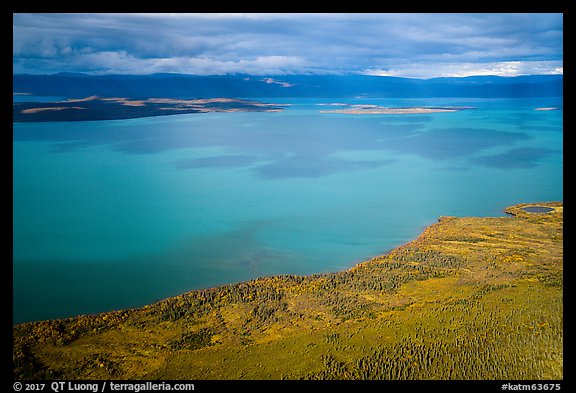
[(116, 108), (471, 298)]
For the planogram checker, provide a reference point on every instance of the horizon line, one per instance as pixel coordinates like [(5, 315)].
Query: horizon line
[(230, 74)]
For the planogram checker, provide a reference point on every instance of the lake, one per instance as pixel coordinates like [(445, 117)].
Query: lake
[(116, 214)]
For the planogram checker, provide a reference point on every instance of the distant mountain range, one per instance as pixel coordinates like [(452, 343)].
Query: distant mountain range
[(74, 85)]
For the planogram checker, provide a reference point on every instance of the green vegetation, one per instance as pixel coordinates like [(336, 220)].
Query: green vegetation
[(471, 298)]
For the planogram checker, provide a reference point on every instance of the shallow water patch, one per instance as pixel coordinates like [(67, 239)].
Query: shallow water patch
[(537, 209)]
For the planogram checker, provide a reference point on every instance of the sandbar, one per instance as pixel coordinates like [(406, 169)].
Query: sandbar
[(381, 110)]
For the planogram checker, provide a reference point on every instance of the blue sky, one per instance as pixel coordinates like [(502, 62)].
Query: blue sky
[(407, 45)]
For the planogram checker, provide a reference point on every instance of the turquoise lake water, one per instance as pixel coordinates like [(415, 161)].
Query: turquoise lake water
[(116, 214)]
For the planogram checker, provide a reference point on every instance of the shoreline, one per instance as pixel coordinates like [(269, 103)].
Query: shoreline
[(94, 108), (517, 210), (428, 298)]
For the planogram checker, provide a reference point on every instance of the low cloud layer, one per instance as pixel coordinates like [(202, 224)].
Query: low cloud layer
[(410, 45)]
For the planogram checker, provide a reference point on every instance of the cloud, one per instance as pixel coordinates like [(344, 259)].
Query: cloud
[(122, 62), (276, 82), (401, 44), (506, 68)]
